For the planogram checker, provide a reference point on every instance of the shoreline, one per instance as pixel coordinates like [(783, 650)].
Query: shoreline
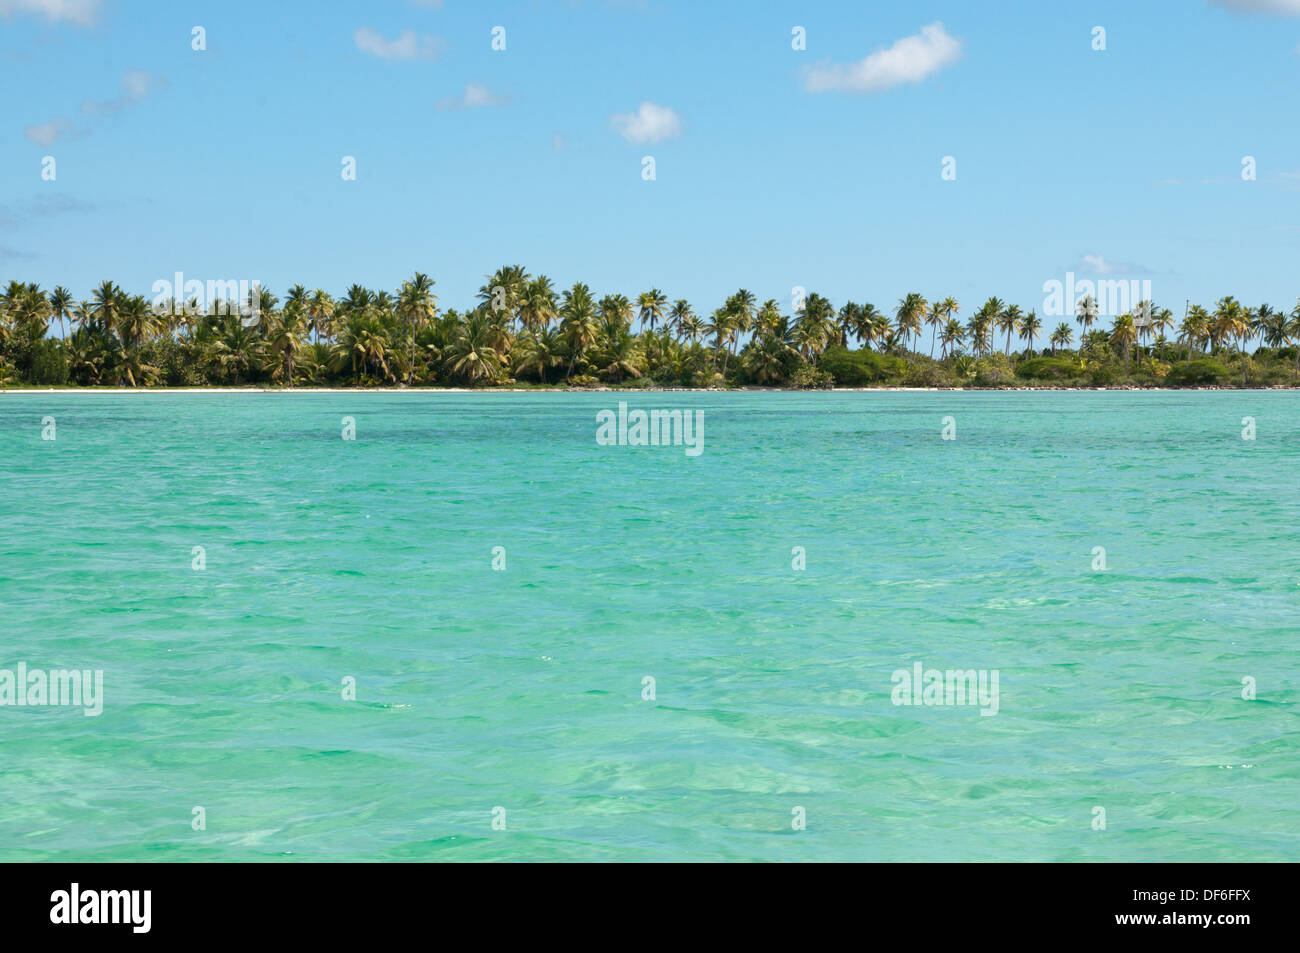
[(622, 390)]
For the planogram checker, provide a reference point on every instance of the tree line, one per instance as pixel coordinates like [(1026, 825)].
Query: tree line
[(523, 330)]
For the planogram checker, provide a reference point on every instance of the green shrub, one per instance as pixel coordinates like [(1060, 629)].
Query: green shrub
[(1103, 374), (48, 366), (963, 368), (1198, 373), (929, 375), (810, 377), (860, 368), (993, 373), (1048, 369)]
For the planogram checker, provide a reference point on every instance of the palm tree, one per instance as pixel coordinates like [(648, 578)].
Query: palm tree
[(983, 323), (104, 301), (934, 317), (1009, 320), (768, 317), (1260, 319), (1272, 327), (870, 324), (1293, 333), (1087, 312), (235, 349), (417, 305), (1143, 319), (321, 310), (720, 328), (135, 323), (769, 356), (540, 351), (1061, 337), (951, 337), (1124, 334), (678, 316), (504, 291), (31, 312), (692, 328), (1230, 321), (61, 307), (848, 321), (472, 354), (815, 325), (741, 307), (908, 316), (537, 309), (650, 307), (948, 307), (615, 312), (979, 328), (1030, 327), (578, 322), (1161, 321), (619, 355), (363, 346), (1195, 328), (356, 302), (285, 339)]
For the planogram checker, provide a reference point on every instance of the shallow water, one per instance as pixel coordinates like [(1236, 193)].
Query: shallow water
[(522, 689)]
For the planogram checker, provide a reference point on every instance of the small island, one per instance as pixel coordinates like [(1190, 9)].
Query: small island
[(524, 333)]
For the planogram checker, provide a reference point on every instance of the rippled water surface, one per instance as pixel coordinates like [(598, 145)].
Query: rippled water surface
[(523, 689)]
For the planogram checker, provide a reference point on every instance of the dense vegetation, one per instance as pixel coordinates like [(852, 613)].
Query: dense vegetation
[(523, 331)]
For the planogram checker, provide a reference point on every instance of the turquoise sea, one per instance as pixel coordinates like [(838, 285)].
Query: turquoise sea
[(522, 689)]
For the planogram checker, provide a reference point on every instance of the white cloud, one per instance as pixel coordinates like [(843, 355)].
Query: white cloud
[(47, 134), (80, 12), (650, 123), (136, 85), (909, 60), (1285, 7), (407, 46), (475, 96), (1097, 265)]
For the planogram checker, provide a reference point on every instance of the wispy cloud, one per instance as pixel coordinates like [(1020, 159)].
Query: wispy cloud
[(80, 12), (476, 95), (407, 46), (650, 123), (909, 60), (137, 84), (46, 206), (1283, 7), (48, 133)]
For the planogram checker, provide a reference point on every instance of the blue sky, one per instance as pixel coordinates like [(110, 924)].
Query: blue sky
[(226, 163)]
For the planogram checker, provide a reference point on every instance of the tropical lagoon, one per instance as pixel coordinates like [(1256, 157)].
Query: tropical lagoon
[(420, 626)]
